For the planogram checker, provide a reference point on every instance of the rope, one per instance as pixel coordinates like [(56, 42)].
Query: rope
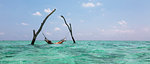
[(44, 36)]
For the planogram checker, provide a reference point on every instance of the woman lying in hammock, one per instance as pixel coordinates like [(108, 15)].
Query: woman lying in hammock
[(50, 42)]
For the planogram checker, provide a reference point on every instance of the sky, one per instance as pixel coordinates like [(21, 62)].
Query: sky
[(90, 19)]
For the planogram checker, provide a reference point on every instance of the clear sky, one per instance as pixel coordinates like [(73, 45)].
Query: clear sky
[(90, 19)]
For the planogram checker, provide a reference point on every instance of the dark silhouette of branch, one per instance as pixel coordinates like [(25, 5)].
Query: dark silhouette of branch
[(69, 28), (36, 34)]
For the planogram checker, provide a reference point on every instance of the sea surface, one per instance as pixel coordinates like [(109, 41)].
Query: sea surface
[(83, 52)]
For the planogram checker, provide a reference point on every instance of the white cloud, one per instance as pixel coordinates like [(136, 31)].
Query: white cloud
[(146, 29), (48, 33), (57, 29), (89, 4), (116, 32), (82, 21), (123, 31), (37, 14), (122, 22), (24, 24), (47, 10), (102, 30), (103, 14), (122, 28), (99, 4), (2, 33), (79, 34), (122, 25)]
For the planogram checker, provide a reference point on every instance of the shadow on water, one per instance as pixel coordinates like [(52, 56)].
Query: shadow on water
[(11, 51), (85, 55)]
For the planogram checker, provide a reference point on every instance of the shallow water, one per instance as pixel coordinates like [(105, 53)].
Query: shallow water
[(83, 52)]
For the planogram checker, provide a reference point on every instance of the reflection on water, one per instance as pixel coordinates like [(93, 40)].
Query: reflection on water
[(83, 52)]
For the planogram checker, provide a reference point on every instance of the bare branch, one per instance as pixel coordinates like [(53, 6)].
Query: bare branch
[(36, 34), (69, 28), (33, 32)]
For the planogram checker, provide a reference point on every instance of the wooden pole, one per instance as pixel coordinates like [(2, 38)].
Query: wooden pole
[(36, 34), (69, 28)]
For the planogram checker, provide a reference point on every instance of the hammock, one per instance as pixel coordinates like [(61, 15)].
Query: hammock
[(49, 41)]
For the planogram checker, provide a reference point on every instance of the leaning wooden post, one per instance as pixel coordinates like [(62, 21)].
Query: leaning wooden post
[(70, 29), (36, 34)]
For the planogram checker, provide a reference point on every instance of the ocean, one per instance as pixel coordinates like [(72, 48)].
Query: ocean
[(83, 52)]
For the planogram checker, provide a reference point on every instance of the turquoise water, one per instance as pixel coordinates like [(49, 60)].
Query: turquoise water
[(83, 52)]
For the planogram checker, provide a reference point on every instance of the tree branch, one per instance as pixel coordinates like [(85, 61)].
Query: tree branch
[(36, 34), (69, 28), (33, 32)]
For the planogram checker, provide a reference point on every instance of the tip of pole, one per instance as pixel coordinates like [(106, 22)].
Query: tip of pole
[(54, 9), (61, 15)]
